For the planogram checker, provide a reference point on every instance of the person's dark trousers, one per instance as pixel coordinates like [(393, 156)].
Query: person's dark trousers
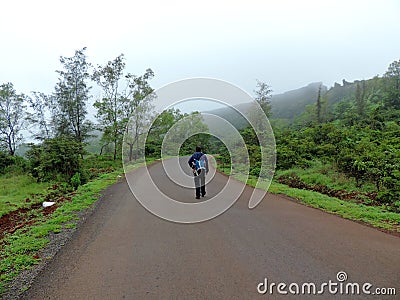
[(200, 184)]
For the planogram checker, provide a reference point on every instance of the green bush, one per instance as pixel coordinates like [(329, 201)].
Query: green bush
[(76, 180), (5, 161), (57, 158), (95, 165), (12, 164)]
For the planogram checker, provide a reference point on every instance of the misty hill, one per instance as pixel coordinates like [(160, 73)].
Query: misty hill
[(232, 115), (293, 103), (342, 92), (288, 105)]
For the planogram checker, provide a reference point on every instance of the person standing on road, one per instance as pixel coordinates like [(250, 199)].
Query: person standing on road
[(199, 164)]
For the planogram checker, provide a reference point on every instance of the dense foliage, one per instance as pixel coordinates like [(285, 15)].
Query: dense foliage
[(359, 135), (177, 125), (57, 158), (352, 130), (12, 163)]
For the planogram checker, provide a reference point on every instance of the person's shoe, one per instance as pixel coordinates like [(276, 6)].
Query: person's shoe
[(203, 195), (197, 197)]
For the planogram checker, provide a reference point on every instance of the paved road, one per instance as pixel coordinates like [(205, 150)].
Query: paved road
[(124, 252)]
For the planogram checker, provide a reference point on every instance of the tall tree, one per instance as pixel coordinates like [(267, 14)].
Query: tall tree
[(263, 97), (319, 106), (392, 86), (12, 114), (159, 129), (70, 97), (138, 110), (110, 108), (39, 118), (186, 131), (360, 99), (319, 113), (122, 103)]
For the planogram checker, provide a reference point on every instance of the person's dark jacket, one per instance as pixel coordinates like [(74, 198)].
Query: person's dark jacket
[(197, 156)]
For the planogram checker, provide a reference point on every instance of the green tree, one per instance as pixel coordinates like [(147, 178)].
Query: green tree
[(199, 139), (5, 161), (40, 104), (124, 108), (12, 114), (70, 97), (159, 128), (343, 110), (360, 99), (110, 108), (56, 158), (138, 111), (319, 106), (186, 130), (392, 85), (263, 97)]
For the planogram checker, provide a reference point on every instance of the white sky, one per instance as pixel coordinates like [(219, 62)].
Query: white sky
[(287, 44)]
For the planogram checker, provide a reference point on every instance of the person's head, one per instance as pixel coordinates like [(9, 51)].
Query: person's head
[(198, 149)]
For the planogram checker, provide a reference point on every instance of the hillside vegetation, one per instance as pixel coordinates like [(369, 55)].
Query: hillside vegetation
[(343, 142)]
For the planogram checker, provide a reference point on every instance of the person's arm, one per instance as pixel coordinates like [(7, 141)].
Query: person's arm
[(206, 159), (191, 159)]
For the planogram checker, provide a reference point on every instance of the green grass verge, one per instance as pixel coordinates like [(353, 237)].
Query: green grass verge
[(376, 216), (18, 251), (15, 189), (327, 175)]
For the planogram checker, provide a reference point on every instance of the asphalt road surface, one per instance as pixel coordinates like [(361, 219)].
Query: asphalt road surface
[(124, 252)]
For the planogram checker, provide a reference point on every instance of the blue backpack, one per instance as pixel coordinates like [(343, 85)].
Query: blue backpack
[(200, 165)]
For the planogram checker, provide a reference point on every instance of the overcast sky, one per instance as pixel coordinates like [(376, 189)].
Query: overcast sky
[(287, 44)]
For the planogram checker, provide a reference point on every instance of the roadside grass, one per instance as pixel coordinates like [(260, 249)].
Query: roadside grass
[(376, 216), (217, 163), (15, 189), (22, 190), (326, 174), (102, 162), (21, 250)]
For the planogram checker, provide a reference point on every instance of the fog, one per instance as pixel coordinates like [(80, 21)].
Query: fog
[(287, 44)]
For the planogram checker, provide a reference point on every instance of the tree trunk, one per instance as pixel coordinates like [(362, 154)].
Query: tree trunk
[(101, 149), (11, 149), (115, 149), (130, 151)]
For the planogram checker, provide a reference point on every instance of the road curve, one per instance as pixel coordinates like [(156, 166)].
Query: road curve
[(124, 252)]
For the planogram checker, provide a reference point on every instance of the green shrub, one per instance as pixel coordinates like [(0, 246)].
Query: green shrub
[(76, 180), (5, 161), (59, 158), (12, 164)]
